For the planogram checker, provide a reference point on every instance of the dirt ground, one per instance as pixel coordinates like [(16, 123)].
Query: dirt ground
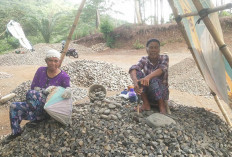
[(121, 58)]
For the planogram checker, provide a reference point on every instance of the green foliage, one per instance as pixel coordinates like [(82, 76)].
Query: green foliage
[(138, 45), (107, 28), (13, 42), (110, 41), (35, 39), (50, 21), (224, 13), (4, 46), (162, 43), (83, 30)]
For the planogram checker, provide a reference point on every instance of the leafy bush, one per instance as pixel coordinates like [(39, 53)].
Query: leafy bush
[(138, 45), (110, 41), (224, 13), (107, 28), (13, 42), (4, 46)]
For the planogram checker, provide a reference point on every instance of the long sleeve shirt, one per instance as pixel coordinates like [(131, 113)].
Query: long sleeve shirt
[(42, 80), (147, 67)]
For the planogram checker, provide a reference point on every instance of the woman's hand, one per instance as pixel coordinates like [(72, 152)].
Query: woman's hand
[(145, 81), (138, 89)]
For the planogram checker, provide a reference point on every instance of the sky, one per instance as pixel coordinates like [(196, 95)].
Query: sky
[(127, 8)]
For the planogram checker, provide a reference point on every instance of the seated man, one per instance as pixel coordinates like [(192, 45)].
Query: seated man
[(152, 72)]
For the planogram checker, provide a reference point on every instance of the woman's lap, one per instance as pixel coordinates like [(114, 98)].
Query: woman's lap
[(156, 89), (21, 110), (32, 109)]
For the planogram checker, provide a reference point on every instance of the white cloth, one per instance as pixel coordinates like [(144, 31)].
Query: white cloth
[(53, 53), (16, 30), (126, 96)]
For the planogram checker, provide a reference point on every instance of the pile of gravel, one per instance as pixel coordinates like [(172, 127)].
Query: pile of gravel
[(86, 73), (37, 57), (29, 58), (104, 129), (100, 47), (186, 77)]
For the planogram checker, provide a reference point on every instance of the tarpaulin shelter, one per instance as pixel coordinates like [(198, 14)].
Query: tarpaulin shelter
[(16, 31), (201, 29)]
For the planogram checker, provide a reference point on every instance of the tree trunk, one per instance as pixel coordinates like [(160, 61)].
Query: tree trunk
[(155, 22), (97, 19), (140, 10), (138, 15), (151, 11), (161, 11), (144, 11), (157, 11)]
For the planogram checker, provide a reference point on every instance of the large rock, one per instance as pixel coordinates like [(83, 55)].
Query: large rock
[(158, 120)]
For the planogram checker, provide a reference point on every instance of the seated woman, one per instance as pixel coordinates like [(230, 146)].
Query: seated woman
[(152, 72), (32, 109)]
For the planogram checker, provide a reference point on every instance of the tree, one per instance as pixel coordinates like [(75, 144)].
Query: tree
[(161, 10), (155, 11), (98, 21), (93, 10), (138, 12), (106, 29)]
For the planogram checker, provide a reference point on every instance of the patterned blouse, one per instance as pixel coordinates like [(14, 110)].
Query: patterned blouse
[(147, 67), (42, 80)]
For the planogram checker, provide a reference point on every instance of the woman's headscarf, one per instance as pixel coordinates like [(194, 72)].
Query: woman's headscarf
[(53, 53)]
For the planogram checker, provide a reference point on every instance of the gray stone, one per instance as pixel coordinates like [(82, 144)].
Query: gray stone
[(112, 106), (158, 120)]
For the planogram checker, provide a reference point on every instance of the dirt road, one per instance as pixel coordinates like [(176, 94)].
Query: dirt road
[(121, 58)]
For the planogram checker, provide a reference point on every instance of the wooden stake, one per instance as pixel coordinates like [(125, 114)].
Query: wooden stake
[(222, 110), (138, 108), (71, 31), (167, 107)]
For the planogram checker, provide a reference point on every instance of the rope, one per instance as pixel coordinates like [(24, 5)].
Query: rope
[(178, 18), (203, 13), (223, 46)]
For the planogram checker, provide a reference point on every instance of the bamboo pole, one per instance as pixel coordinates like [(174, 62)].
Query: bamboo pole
[(209, 10), (71, 31), (224, 49), (222, 109), (184, 33)]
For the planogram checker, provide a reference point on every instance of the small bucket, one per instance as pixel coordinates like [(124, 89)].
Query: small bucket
[(94, 88)]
